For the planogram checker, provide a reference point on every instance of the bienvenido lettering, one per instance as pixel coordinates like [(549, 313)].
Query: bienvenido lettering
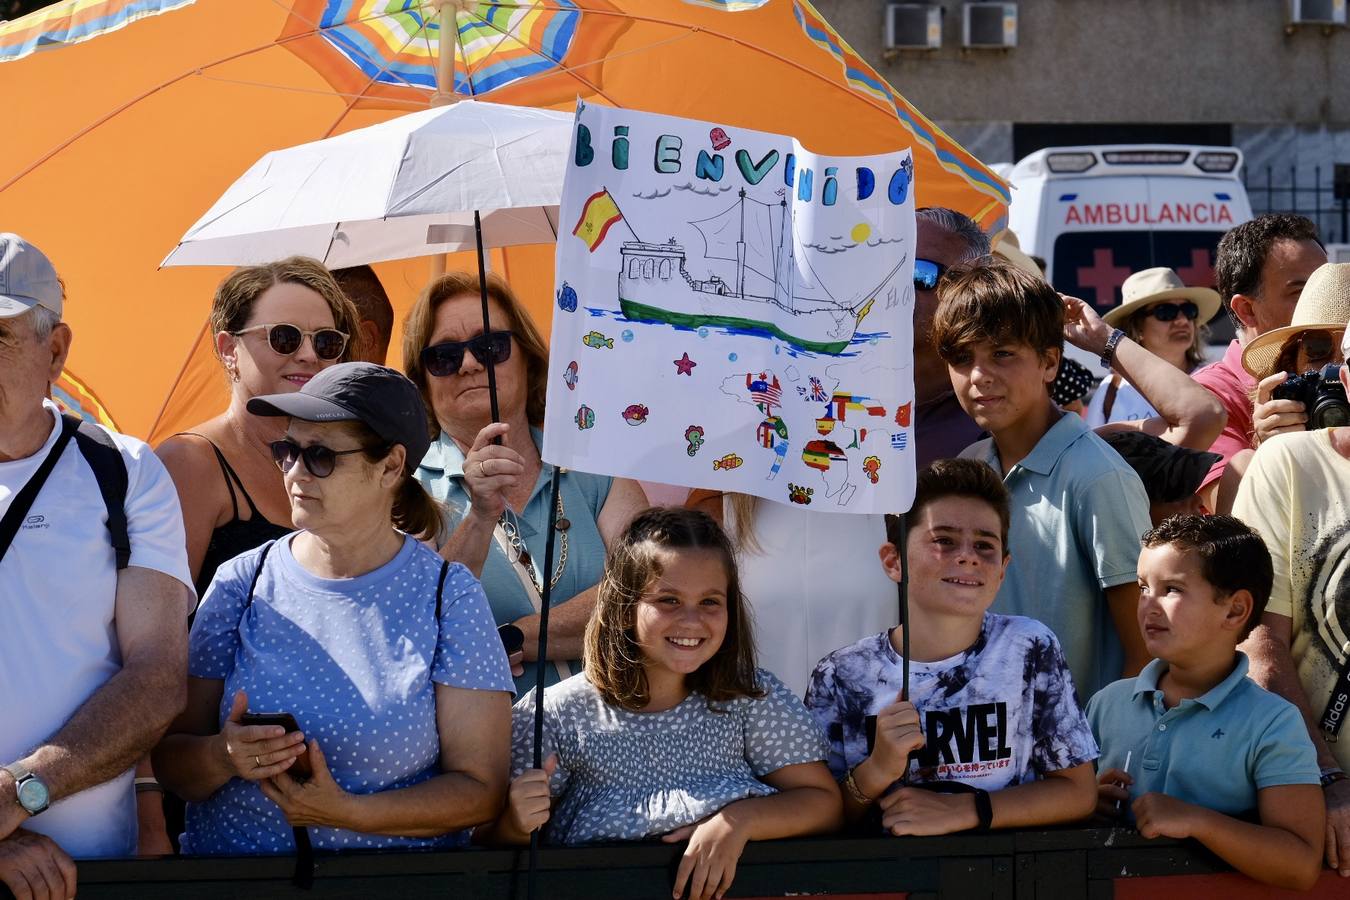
[(668, 159), (1143, 214)]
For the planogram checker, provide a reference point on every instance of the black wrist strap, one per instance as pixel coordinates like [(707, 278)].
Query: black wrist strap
[(984, 810), (1333, 717), (23, 501)]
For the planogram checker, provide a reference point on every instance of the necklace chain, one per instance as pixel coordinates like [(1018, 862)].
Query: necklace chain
[(511, 528)]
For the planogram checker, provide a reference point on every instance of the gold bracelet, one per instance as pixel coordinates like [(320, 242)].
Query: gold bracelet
[(854, 791)]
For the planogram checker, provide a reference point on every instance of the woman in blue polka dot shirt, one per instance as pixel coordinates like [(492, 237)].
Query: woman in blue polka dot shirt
[(387, 657)]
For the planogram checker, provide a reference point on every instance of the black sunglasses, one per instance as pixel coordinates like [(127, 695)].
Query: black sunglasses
[(319, 459), (1319, 346), (446, 357), (1166, 312), (927, 274), (285, 339)]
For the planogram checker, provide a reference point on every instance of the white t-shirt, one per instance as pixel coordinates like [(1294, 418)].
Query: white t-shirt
[(58, 643), (813, 584)]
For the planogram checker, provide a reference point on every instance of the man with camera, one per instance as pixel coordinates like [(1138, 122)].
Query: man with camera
[(1294, 392), (1260, 270), (1296, 493)]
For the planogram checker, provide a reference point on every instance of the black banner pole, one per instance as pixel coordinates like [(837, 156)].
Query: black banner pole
[(541, 657)]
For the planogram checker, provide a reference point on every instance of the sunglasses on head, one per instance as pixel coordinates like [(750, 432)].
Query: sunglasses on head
[(319, 459), (1166, 312), (927, 274), (446, 357), (286, 340)]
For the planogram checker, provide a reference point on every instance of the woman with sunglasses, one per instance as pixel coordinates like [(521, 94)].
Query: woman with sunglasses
[(276, 326), (1312, 339), (1166, 318), (385, 655), (498, 493)]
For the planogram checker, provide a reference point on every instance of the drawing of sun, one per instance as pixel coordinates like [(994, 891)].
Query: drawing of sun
[(861, 232)]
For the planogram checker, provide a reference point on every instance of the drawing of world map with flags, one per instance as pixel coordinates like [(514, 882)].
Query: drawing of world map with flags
[(735, 312)]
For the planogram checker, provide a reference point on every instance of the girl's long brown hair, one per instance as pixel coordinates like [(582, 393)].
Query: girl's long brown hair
[(614, 662)]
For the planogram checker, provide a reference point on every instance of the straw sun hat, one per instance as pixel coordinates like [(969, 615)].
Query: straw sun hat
[(1324, 304), (1155, 285)]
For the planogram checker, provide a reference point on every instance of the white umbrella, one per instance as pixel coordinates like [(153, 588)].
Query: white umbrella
[(406, 187)]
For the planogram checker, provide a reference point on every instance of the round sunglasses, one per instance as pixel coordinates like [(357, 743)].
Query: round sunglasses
[(286, 340), (1166, 312), (1319, 348), (319, 459), (446, 357), (927, 274)]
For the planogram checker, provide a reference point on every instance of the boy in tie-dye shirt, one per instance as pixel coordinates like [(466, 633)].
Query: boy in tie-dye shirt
[(992, 703)]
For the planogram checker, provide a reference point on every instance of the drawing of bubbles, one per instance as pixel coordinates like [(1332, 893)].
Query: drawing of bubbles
[(732, 357), (703, 332), (627, 335)]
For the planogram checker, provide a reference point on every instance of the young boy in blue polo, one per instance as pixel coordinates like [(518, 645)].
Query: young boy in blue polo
[(1192, 747), (1077, 508)]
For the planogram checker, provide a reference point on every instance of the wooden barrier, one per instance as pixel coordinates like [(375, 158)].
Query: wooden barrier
[(1094, 864)]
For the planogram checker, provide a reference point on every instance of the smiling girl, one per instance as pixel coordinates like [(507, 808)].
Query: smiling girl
[(671, 731)]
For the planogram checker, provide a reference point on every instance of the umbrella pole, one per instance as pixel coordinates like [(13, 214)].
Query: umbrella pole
[(541, 656), (487, 327)]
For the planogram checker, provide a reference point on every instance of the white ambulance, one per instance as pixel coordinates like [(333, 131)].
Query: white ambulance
[(1097, 214)]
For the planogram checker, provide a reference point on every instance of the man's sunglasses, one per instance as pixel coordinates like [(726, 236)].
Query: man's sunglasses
[(319, 459), (285, 340), (1166, 312), (446, 357), (927, 274)]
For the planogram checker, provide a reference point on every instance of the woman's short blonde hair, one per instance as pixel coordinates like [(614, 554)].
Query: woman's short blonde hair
[(421, 322), (234, 299)]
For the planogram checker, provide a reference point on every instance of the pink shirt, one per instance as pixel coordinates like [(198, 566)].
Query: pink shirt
[(1227, 380)]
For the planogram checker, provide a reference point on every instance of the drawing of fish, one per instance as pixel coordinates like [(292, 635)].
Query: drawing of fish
[(585, 418), (635, 414), (727, 463), (567, 298), (570, 375), (596, 340)]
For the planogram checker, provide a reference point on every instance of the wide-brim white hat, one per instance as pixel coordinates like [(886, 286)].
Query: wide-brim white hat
[(1155, 285), (1324, 304)]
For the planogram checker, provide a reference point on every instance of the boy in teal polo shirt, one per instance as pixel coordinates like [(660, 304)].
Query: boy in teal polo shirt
[(1194, 742), (1077, 507)]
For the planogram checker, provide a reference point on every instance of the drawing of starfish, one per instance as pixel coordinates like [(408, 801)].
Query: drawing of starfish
[(684, 365)]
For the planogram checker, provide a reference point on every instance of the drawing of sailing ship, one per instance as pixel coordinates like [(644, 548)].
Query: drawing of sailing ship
[(770, 291)]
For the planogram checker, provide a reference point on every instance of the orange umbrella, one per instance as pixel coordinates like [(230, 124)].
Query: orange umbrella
[(146, 110)]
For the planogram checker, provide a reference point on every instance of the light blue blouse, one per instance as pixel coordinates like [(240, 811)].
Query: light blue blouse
[(583, 495)]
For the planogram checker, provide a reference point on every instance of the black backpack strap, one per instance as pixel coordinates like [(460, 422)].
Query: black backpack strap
[(23, 500), (253, 585), (110, 471), (440, 588)]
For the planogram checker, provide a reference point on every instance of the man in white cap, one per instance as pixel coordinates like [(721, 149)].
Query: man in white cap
[(1296, 493), (95, 593)]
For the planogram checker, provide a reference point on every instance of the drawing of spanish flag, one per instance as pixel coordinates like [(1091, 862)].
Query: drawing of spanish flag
[(73, 396), (597, 216)]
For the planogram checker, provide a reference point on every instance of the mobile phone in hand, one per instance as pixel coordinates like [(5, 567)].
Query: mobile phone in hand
[(300, 769)]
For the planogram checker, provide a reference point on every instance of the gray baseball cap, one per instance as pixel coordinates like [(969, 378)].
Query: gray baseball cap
[(382, 398), (27, 278)]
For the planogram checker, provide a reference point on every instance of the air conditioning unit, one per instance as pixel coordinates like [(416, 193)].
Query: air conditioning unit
[(913, 26), (1317, 12), (989, 25)]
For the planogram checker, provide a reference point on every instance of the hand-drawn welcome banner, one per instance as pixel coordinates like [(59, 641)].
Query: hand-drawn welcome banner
[(734, 312)]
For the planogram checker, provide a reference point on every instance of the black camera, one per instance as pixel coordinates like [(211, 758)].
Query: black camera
[(1321, 393)]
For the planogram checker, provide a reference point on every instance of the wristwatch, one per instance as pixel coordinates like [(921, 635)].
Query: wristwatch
[(1332, 775), (30, 789), (1109, 353)]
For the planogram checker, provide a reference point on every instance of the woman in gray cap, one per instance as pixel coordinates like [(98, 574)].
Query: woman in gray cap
[(386, 656)]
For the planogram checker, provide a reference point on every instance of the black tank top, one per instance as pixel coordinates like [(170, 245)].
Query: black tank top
[(237, 535)]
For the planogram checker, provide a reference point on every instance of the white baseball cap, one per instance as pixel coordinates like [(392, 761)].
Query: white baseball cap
[(27, 278)]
